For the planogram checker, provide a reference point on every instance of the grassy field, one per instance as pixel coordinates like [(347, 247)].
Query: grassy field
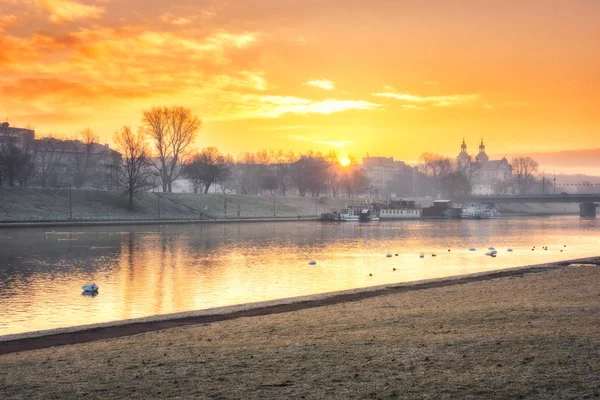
[(536, 336), (20, 204)]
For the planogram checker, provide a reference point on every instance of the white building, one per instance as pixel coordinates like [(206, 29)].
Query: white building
[(488, 177), (390, 178)]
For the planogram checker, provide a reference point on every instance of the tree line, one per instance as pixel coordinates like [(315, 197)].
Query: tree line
[(160, 152)]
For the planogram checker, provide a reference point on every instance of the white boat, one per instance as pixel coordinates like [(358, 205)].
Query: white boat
[(349, 215), (479, 211), (400, 209)]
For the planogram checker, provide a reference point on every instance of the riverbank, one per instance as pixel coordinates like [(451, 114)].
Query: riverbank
[(63, 207), (44, 206), (522, 335)]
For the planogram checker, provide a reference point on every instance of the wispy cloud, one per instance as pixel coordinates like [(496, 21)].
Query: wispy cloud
[(276, 106), (324, 84), (253, 106), (436, 101), (7, 20), (61, 11)]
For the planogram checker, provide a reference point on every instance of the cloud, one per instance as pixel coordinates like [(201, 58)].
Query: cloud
[(62, 11), (7, 21), (276, 106), (235, 106), (324, 84), (436, 101)]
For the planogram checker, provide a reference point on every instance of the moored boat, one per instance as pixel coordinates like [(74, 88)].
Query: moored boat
[(479, 211), (400, 209), (349, 215)]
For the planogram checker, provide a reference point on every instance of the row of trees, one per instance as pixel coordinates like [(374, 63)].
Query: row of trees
[(169, 132), (309, 174)]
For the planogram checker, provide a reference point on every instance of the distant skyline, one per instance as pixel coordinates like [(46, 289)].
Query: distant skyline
[(388, 78)]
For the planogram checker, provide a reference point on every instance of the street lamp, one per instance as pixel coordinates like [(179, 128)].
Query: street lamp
[(70, 203), (158, 206)]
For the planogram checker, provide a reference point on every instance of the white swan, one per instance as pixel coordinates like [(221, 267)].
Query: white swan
[(90, 287)]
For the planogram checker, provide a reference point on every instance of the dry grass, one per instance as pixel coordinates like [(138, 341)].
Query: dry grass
[(26, 204), (531, 337)]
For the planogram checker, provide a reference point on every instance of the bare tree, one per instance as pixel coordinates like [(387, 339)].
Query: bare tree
[(310, 174), (456, 183), (437, 166), (355, 181), (49, 153), (84, 147), (269, 182), (206, 168), (134, 173), (171, 130), (502, 186), (282, 164), (14, 161), (524, 169), (334, 173)]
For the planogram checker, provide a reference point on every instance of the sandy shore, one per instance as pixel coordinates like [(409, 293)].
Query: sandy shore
[(525, 335)]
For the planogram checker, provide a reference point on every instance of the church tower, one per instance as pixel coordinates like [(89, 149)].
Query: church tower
[(464, 159), (482, 156)]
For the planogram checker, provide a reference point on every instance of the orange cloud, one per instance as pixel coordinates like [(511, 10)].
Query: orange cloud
[(324, 84), (7, 21), (436, 101), (68, 10)]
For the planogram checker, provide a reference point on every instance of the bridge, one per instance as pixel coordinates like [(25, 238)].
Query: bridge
[(587, 202)]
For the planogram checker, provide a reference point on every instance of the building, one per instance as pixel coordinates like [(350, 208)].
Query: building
[(72, 163), (62, 163), (19, 136), (487, 176), (390, 178)]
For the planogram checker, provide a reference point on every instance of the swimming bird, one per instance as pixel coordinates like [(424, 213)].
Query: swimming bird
[(388, 255), (394, 269), (422, 255), (90, 287), (313, 262), (472, 249), (370, 274), (433, 255)]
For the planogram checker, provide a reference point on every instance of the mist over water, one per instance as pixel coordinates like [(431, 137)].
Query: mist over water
[(144, 271)]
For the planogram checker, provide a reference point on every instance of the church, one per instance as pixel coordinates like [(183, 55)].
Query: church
[(487, 177)]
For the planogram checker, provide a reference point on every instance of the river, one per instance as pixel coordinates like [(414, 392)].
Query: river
[(150, 270)]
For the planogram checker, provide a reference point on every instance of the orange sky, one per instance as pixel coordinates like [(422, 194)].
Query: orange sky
[(387, 77)]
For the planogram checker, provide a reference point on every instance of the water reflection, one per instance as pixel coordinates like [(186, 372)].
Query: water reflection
[(152, 270)]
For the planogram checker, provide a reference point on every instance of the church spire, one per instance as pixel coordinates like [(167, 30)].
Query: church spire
[(482, 157), (463, 147)]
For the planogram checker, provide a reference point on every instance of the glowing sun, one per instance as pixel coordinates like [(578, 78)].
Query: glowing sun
[(344, 161)]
